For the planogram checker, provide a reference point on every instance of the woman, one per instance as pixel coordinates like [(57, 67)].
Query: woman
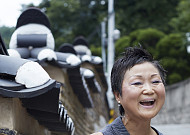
[(138, 85)]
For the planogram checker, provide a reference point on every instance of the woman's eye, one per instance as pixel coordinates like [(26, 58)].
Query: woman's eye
[(156, 82), (136, 83)]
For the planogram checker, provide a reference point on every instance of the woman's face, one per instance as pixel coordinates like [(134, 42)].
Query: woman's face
[(143, 93)]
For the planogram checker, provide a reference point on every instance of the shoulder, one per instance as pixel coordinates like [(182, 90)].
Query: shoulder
[(98, 133), (115, 128)]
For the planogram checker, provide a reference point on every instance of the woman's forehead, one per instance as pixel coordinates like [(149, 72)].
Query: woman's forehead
[(139, 69)]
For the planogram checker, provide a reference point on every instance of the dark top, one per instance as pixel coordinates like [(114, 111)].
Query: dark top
[(117, 128)]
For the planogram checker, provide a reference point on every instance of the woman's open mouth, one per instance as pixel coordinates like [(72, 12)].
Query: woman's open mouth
[(149, 103)]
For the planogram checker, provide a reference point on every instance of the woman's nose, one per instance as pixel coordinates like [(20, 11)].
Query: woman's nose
[(147, 89)]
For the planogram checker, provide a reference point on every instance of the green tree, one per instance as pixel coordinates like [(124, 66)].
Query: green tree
[(180, 23), (148, 38), (71, 18), (134, 14), (174, 57)]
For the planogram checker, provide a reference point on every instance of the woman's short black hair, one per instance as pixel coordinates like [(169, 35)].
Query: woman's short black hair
[(131, 57)]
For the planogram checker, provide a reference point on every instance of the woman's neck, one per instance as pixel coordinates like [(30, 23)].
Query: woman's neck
[(138, 127)]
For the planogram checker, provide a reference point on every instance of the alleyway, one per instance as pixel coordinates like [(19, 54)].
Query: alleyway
[(174, 129)]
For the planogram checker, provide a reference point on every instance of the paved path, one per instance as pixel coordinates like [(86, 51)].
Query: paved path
[(174, 129)]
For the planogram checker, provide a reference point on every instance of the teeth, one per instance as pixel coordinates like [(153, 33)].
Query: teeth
[(148, 101)]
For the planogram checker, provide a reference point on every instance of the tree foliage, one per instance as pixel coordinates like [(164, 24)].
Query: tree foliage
[(135, 14), (71, 18), (148, 38), (172, 45), (180, 23), (174, 57)]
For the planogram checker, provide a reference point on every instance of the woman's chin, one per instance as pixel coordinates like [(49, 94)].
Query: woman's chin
[(148, 114)]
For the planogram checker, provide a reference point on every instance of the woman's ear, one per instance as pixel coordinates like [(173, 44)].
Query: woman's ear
[(117, 96)]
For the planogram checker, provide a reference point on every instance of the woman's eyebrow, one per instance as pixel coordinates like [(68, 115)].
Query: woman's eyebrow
[(138, 76), (155, 74)]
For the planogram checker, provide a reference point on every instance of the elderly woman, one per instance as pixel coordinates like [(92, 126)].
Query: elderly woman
[(138, 85)]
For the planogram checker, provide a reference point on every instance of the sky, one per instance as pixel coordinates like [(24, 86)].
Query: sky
[(10, 11)]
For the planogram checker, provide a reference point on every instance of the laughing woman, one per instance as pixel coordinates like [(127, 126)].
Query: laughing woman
[(138, 85)]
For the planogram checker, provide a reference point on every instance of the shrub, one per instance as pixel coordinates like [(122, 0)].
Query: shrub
[(148, 38), (171, 45)]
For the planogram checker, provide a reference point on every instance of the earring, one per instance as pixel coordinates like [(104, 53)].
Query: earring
[(119, 103)]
